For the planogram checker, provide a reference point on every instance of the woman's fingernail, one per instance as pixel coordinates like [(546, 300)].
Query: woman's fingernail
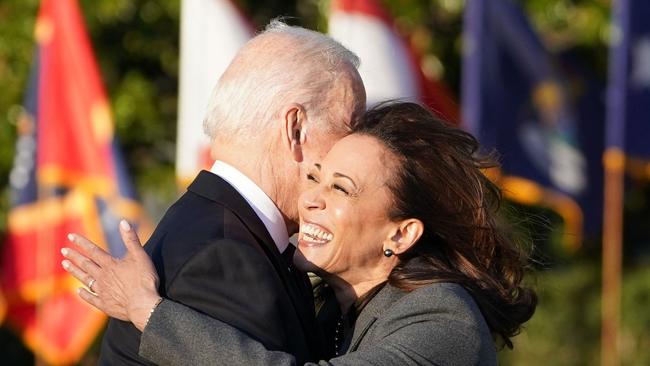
[(71, 237), (125, 225), (65, 251), (65, 264)]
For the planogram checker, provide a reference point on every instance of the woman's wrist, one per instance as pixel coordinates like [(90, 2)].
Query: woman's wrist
[(160, 299), (141, 314)]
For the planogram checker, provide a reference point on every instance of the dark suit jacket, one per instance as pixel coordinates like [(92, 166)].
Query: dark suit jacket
[(439, 324), (214, 255)]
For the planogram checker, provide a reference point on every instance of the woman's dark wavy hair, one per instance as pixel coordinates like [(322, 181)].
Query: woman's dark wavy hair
[(440, 181)]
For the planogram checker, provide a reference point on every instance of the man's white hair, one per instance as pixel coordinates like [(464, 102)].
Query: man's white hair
[(282, 64)]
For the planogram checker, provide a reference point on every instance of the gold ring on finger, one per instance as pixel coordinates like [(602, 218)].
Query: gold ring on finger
[(90, 284)]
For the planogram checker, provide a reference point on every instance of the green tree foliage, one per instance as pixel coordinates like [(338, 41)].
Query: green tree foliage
[(565, 330), (16, 28)]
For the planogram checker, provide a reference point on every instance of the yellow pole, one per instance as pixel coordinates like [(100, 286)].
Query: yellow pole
[(614, 164)]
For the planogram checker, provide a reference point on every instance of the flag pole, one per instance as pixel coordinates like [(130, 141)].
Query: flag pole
[(614, 178), (43, 259), (614, 166)]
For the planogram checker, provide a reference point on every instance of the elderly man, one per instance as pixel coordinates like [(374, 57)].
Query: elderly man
[(287, 96)]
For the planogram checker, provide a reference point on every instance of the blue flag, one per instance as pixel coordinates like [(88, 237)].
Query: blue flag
[(628, 112), (515, 101)]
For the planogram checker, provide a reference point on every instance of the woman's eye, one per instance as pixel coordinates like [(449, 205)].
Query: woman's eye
[(340, 189), (311, 177)]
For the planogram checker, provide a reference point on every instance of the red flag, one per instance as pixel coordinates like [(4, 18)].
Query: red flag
[(390, 67), (66, 178)]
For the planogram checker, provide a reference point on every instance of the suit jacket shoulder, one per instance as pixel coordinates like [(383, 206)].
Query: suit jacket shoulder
[(206, 217), (214, 255), (435, 324)]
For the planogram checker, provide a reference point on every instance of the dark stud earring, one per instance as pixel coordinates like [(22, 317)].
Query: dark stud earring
[(388, 252)]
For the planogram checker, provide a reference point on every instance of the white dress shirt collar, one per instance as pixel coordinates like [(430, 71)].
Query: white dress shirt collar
[(263, 206)]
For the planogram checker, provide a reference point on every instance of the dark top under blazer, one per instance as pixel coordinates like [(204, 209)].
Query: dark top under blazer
[(213, 254)]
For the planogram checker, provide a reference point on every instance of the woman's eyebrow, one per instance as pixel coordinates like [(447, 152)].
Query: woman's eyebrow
[(340, 175)]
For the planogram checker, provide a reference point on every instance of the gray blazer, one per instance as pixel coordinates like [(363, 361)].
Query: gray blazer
[(439, 324)]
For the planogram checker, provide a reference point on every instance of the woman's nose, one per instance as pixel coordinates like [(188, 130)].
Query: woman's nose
[(312, 199)]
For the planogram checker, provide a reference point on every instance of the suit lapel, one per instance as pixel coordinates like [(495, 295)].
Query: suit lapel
[(372, 311), (213, 187)]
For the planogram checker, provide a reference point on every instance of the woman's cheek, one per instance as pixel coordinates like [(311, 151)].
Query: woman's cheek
[(341, 210)]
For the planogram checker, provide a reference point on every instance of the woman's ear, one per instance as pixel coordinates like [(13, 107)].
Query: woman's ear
[(295, 130), (406, 234)]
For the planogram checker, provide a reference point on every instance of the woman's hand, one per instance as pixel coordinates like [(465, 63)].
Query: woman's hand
[(125, 288)]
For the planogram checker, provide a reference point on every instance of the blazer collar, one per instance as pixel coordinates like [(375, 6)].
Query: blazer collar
[(384, 299), (257, 199), (215, 188)]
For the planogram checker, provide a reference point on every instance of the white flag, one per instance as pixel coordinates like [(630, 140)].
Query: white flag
[(389, 68), (212, 31)]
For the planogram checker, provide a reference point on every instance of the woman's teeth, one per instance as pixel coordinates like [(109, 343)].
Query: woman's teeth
[(315, 232)]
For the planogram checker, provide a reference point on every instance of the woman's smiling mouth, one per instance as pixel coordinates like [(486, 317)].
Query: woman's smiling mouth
[(315, 234)]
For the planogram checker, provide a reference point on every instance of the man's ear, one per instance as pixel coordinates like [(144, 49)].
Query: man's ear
[(295, 130), (405, 234)]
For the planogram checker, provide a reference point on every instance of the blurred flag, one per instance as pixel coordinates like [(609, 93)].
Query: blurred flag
[(513, 101), (628, 115), (212, 31), (390, 68), (67, 177)]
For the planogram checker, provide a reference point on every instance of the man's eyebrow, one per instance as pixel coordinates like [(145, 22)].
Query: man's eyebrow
[(340, 175)]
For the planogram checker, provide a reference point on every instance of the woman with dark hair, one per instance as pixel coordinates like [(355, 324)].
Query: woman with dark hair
[(400, 223)]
